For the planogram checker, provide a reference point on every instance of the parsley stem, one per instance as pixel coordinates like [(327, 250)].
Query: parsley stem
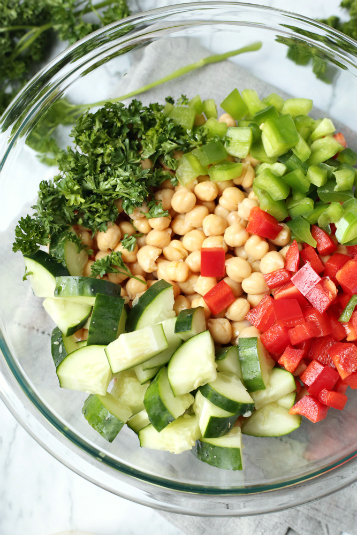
[(216, 58)]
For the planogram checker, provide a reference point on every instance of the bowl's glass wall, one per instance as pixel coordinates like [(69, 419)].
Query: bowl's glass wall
[(96, 70)]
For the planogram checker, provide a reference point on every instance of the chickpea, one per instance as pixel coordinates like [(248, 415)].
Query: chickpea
[(228, 119), (245, 207), (142, 225), (200, 302), (141, 242), (187, 287), (147, 257), (272, 261), (164, 195), (101, 254), (215, 241), (284, 236), (193, 296), (236, 287), (238, 309), (249, 159), (237, 328), (256, 248), (220, 211), (238, 269), (195, 217), (231, 198), (192, 241), (272, 247), (159, 238), (220, 329), (210, 205), (118, 278), (342, 249), (175, 251), (284, 250), (241, 252), (139, 212), (87, 272), (250, 332), (86, 238), (233, 217), (255, 265), (214, 225), (255, 284), (167, 184), (135, 269), (181, 303), (118, 203), (179, 226), (228, 256), (248, 175), (224, 184), (134, 286), (123, 292), (177, 271), (159, 223), (204, 284), (236, 235), (183, 201), (150, 283), (81, 334), (206, 191), (190, 186), (126, 228), (325, 258), (252, 195), (110, 238), (175, 288), (162, 265), (127, 256), (194, 261), (254, 300), (146, 164), (203, 178)]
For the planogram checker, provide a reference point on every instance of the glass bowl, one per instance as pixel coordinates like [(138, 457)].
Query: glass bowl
[(279, 472)]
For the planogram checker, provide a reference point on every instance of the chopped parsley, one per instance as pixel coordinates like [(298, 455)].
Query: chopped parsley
[(129, 242), (112, 263)]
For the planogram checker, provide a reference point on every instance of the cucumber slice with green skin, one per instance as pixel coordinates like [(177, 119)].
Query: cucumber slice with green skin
[(287, 401), (134, 348), (155, 305), (84, 289), (81, 343), (44, 271), (213, 421), (68, 316), (193, 364), (281, 383), (255, 362), (228, 393), (66, 251), (144, 376), (161, 404), (107, 320), (179, 436), (61, 346), (224, 452), (174, 342), (271, 421), (87, 370), (227, 360), (190, 322), (106, 415), (128, 390), (138, 421)]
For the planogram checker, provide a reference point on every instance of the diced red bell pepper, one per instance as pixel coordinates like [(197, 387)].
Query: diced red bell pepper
[(325, 244), (351, 381), (311, 408), (213, 262), (320, 350), (347, 277), (352, 250), (275, 340), (292, 259), (263, 224), (219, 297), (354, 320), (305, 347), (333, 399), (341, 386), (277, 278), (343, 300), (334, 264), (337, 331), (322, 295), (301, 368), (308, 254), (303, 332), (311, 373), (327, 378), (291, 358), (305, 279), (322, 321), (262, 316), (344, 357), (340, 138), (288, 312), (289, 291), (351, 333)]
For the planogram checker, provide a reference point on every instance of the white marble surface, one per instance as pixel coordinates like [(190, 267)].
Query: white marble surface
[(38, 495)]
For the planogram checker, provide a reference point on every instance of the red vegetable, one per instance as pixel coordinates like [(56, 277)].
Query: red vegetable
[(337, 331), (213, 262), (289, 291), (311, 408), (291, 358), (351, 381), (344, 357), (322, 295), (275, 340), (341, 386), (326, 379), (322, 321), (334, 264), (262, 316), (352, 250), (340, 138), (305, 347), (277, 278), (347, 277), (305, 279), (325, 244), (308, 254), (301, 368), (288, 312), (303, 332), (263, 224), (335, 400), (219, 298), (351, 334), (311, 373), (292, 258), (320, 350)]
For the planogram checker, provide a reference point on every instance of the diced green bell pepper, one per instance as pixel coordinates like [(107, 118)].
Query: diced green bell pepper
[(235, 105), (313, 216), (239, 141), (197, 104), (345, 177), (292, 162), (274, 100), (347, 156), (297, 181), (279, 135), (298, 207), (302, 149), (279, 169), (267, 203), (263, 115), (297, 106), (301, 229), (331, 214), (350, 205), (225, 171), (183, 116), (348, 311), (328, 168), (346, 228), (252, 101), (328, 194), (257, 151), (215, 128), (189, 168), (168, 108), (210, 108), (257, 133), (304, 125), (274, 185), (323, 149), (210, 153), (317, 175), (324, 128)]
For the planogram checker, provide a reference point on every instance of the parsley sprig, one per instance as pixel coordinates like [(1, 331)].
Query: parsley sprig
[(129, 242), (112, 263)]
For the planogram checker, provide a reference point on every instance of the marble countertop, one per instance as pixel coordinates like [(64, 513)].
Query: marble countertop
[(40, 496)]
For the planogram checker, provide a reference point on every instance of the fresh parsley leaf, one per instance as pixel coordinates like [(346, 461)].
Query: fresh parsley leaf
[(106, 265), (155, 210), (30, 235), (26, 274), (129, 242)]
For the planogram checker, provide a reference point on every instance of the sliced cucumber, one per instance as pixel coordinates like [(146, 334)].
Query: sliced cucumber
[(66, 251), (179, 436), (287, 401), (68, 316), (86, 369), (106, 415), (281, 383), (213, 421), (61, 346), (131, 349), (190, 322), (155, 305), (227, 359), (173, 340), (81, 343), (271, 421), (107, 320), (144, 376), (84, 289), (138, 421), (224, 452), (128, 390), (44, 271), (228, 393), (255, 362), (192, 365), (161, 404)]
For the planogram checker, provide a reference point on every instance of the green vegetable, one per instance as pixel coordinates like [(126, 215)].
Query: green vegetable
[(225, 171), (301, 230), (129, 242), (267, 203), (331, 214), (301, 206), (274, 100), (317, 175), (279, 135), (297, 106), (274, 185), (235, 105), (297, 180), (350, 307), (106, 265), (346, 228)]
